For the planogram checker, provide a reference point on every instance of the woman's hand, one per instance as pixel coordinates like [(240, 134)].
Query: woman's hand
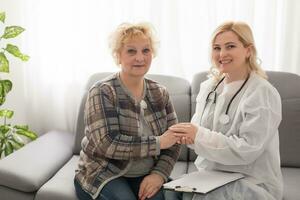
[(185, 131), (185, 140), (150, 185), (168, 139)]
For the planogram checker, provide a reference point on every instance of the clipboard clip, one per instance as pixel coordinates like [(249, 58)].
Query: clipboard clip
[(179, 188)]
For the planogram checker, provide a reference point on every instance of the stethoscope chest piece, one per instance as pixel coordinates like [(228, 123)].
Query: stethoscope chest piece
[(224, 119)]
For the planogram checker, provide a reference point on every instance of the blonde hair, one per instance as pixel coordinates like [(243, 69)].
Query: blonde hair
[(244, 33), (127, 31)]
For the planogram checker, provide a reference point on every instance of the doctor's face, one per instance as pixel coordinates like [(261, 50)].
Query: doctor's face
[(135, 57), (229, 53)]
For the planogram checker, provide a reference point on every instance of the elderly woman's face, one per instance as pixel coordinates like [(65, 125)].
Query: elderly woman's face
[(135, 56)]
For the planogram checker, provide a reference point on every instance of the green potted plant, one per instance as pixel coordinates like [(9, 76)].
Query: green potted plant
[(12, 137)]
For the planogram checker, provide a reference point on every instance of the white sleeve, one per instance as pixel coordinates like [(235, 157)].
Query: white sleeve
[(261, 116), (199, 101)]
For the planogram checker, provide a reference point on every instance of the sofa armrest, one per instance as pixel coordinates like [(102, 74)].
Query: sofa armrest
[(31, 166)]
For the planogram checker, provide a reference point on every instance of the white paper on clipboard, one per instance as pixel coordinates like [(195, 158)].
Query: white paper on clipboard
[(202, 181)]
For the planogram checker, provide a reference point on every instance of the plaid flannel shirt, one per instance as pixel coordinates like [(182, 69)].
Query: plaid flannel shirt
[(111, 133)]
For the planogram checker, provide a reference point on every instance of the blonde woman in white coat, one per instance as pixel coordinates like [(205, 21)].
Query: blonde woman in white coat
[(235, 125)]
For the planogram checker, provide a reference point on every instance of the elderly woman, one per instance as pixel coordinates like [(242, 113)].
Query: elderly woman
[(127, 152)]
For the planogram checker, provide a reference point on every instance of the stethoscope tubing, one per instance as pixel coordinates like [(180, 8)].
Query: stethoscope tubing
[(227, 109), (232, 98)]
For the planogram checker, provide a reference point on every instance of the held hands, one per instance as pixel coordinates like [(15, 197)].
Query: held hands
[(168, 139), (150, 185), (182, 133), (186, 132)]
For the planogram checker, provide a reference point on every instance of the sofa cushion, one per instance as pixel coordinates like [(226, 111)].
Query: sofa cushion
[(80, 121), (289, 133), (291, 178), (287, 85), (11, 194), (30, 167), (60, 186)]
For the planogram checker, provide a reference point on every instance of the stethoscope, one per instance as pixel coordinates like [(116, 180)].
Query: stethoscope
[(224, 118)]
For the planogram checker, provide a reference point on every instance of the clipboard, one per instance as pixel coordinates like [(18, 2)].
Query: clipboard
[(202, 181)]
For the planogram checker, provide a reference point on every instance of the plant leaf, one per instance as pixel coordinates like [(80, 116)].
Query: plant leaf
[(14, 50), (4, 63), (15, 145), (3, 130), (8, 148), (1, 141), (5, 87), (30, 134), (1, 147), (2, 19), (22, 127), (2, 100), (12, 31), (2, 135), (18, 139), (6, 113), (2, 94)]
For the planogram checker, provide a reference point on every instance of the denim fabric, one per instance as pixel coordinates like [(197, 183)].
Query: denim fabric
[(122, 188), (172, 195)]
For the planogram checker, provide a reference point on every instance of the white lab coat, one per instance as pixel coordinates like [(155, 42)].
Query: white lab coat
[(249, 144)]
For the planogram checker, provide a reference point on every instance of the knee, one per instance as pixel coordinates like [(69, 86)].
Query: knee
[(172, 195), (127, 195)]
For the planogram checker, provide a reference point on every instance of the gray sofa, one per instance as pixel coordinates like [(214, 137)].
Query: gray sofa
[(44, 169)]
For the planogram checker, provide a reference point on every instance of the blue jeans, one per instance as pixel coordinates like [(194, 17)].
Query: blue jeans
[(122, 188)]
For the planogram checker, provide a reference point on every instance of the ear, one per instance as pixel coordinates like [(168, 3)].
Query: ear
[(249, 51)]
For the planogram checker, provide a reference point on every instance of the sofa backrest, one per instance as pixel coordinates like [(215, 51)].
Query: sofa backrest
[(288, 86), (179, 90), (80, 122)]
